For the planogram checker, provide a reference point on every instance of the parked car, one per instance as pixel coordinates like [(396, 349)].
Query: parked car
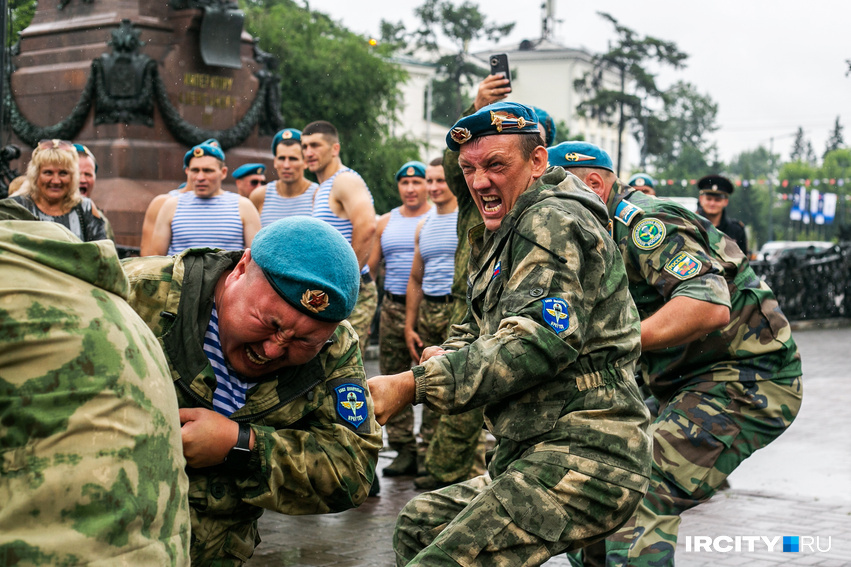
[(776, 250)]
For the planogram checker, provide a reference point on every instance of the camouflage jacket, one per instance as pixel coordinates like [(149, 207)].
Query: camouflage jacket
[(307, 459), (91, 460), (468, 216), (549, 324), (669, 252)]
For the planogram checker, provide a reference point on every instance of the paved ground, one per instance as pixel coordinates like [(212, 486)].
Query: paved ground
[(798, 486)]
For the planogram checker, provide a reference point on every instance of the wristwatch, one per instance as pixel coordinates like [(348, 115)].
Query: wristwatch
[(240, 454)]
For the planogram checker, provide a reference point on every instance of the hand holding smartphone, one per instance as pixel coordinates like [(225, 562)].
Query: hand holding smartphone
[(499, 65)]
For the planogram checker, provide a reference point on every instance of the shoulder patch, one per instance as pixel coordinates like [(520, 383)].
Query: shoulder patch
[(555, 313), (648, 234), (683, 266), (351, 406), (626, 211)]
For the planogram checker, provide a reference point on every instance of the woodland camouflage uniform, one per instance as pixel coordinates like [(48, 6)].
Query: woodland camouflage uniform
[(723, 396), (91, 459), (548, 348), (306, 459)]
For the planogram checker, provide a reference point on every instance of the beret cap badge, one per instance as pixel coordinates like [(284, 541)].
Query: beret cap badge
[(410, 171), (198, 152), (506, 120), (460, 135), (315, 300), (287, 135), (573, 156)]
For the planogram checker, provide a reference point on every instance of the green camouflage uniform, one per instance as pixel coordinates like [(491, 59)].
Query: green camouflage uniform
[(364, 312), (549, 349), (307, 458), (723, 396), (393, 358), (91, 460)]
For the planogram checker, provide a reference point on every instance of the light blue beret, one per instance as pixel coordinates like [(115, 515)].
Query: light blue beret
[(204, 149), (411, 169), (81, 149), (549, 125), (285, 134), (496, 118), (310, 265), (579, 154), (641, 180), (249, 169)]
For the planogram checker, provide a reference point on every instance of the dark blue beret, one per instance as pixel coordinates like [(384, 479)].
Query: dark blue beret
[(641, 180), (549, 124), (496, 118), (204, 149), (310, 264), (285, 134), (249, 169), (715, 184), (579, 154), (411, 169)]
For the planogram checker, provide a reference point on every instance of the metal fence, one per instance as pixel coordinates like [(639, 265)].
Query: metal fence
[(814, 287)]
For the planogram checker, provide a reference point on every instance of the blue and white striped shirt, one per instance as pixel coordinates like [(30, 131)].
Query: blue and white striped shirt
[(322, 210), (206, 223), (276, 207), (397, 247), (229, 395), (438, 241)]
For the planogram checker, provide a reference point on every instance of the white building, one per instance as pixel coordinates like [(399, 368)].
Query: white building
[(413, 116)]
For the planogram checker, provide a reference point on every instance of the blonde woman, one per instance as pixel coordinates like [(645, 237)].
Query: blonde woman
[(53, 192)]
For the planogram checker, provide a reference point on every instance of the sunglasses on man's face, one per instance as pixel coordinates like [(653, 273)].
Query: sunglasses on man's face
[(256, 182)]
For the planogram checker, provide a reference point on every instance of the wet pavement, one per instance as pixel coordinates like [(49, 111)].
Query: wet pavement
[(800, 485)]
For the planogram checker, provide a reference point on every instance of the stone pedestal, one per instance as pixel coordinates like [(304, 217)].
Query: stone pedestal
[(135, 161)]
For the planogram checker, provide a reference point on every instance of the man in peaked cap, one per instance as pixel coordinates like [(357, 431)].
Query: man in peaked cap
[(644, 183), (547, 348), (394, 243), (712, 201), (291, 194), (249, 177), (716, 352), (268, 376), (208, 216)]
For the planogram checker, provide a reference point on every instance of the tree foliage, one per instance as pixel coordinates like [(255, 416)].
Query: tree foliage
[(802, 149), (21, 14), (627, 60), (441, 20), (835, 140), (329, 73)]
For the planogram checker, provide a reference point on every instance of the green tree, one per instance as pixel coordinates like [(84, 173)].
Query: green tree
[(754, 164), (457, 71), (835, 140), (21, 13), (628, 59), (678, 136), (330, 73)]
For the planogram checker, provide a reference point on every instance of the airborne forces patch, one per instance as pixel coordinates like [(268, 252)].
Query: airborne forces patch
[(648, 234), (683, 266)]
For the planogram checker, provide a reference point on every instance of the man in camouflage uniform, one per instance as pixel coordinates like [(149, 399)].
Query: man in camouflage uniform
[(717, 352), (304, 439), (548, 348), (92, 467)]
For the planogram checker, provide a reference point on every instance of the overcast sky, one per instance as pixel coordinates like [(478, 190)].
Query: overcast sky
[(770, 65)]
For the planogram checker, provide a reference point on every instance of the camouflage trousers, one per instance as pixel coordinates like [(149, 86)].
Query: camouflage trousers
[(701, 435), (393, 358), (453, 446), (364, 312), (531, 512)]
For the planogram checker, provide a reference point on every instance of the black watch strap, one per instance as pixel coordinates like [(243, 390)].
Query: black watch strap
[(240, 454)]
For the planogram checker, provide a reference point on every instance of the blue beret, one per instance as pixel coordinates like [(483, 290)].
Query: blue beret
[(204, 149), (496, 118), (182, 185), (310, 265), (285, 134), (249, 169), (579, 154), (549, 124), (411, 169), (715, 184), (641, 180), (81, 149)]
